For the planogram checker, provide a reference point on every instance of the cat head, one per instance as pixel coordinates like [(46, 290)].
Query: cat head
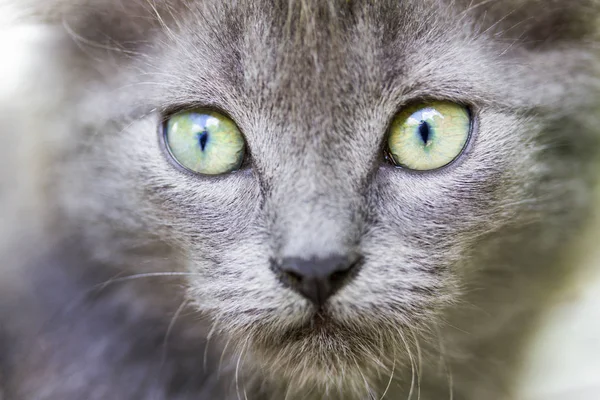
[(319, 255)]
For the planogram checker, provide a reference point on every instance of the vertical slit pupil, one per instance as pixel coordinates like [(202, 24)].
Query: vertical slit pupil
[(424, 131), (203, 139)]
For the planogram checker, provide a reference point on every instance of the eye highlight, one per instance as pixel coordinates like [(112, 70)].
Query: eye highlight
[(205, 142), (427, 136)]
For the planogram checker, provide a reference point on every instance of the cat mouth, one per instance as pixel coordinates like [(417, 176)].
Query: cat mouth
[(322, 343), (321, 324), (320, 321)]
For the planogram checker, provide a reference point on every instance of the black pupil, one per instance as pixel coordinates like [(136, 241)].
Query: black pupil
[(424, 131), (202, 139)]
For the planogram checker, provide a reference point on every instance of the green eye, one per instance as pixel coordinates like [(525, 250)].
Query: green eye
[(428, 136), (205, 142)]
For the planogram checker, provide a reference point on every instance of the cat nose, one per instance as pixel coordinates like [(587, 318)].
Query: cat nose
[(317, 279)]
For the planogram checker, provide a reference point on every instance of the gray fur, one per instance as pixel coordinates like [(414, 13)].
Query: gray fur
[(458, 263)]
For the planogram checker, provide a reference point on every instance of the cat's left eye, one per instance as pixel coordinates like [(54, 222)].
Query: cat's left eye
[(205, 142), (428, 136)]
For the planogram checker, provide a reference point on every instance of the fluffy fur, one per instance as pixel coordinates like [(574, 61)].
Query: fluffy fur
[(131, 279)]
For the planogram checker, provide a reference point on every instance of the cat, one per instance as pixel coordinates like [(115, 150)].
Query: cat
[(323, 260)]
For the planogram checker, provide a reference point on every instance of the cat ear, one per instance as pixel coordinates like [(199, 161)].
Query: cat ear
[(537, 23)]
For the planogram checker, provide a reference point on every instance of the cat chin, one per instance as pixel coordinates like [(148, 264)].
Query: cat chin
[(324, 355)]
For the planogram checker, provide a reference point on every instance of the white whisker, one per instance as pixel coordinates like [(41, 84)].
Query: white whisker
[(389, 384), (103, 285), (419, 359), (412, 363), (170, 328), (211, 332), (237, 368)]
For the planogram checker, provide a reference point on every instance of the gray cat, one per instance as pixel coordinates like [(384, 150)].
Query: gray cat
[(278, 199)]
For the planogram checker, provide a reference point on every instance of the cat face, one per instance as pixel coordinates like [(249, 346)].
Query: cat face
[(314, 90)]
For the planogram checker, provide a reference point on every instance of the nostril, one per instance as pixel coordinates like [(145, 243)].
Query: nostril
[(339, 275), (317, 279), (293, 276)]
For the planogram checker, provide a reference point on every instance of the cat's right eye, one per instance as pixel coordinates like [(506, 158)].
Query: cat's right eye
[(204, 141)]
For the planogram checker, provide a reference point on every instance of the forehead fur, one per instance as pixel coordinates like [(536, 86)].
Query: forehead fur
[(530, 21)]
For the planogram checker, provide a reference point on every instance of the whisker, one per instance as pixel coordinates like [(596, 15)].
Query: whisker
[(170, 328), (412, 363), (161, 21), (367, 386), (475, 6), (222, 357), (419, 359), (445, 365), (80, 39), (103, 285), (389, 384), (211, 332), (237, 368)]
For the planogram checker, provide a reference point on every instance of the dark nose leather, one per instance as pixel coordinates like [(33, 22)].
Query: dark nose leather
[(317, 279)]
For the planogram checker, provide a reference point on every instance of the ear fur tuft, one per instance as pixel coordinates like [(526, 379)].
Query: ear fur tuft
[(538, 23), (120, 24)]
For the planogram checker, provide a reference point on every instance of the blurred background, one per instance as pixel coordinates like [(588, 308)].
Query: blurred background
[(565, 358)]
